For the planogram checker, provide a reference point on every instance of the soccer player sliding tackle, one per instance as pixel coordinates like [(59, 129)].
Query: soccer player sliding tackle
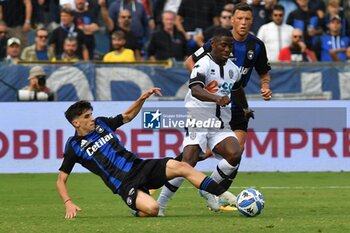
[(96, 147)]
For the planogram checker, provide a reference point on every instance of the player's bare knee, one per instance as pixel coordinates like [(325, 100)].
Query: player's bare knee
[(153, 210), (234, 156), (184, 168)]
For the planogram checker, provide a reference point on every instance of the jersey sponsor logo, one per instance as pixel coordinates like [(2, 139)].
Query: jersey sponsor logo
[(212, 72), (250, 54), (244, 70), (225, 88), (212, 87), (98, 144), (99, 129)]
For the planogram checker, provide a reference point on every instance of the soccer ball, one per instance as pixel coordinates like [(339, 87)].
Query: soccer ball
[(250, 202)]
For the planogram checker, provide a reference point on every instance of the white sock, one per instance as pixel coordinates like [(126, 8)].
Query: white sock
[(166, 194), (225, 168)]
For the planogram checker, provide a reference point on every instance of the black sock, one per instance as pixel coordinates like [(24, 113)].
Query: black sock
[(171, 187), (209, 185), (226, 183)]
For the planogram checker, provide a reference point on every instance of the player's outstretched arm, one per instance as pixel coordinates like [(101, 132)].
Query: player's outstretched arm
[(135, 108), (71, 208)]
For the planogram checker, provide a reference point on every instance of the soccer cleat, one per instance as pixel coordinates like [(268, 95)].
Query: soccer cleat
[(227, 208), (227, 199), (212, 200), (161, 212)]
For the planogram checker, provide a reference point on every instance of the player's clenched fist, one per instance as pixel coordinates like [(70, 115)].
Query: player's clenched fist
[(223, 100)]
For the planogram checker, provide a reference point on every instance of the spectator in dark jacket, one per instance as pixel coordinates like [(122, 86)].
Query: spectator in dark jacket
[(3, 40), (167, 42)]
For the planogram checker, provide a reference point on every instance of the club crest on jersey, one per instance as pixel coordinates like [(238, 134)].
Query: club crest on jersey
[(212, 72), (230, 74), (250, 54), (192, 135), (99, 129)]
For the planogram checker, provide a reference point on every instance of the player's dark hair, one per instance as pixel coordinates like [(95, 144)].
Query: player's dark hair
[(76, 109), (278, 8), (242, 7), (221, 32)]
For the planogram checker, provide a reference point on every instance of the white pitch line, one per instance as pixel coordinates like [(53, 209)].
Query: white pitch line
[(304, 187), (283, 187)]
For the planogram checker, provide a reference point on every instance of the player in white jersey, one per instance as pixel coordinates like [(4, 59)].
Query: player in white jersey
[(217, 78), (213, 80)]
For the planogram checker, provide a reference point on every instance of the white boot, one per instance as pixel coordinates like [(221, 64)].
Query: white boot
[(211, 199)]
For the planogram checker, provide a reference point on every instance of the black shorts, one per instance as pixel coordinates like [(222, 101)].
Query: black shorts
[(238, 121), (149, 174)]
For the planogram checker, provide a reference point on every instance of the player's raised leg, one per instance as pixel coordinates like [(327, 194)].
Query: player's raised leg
[(241, 137), (228, 147), (190, 156), (199, 180), (230, 150)]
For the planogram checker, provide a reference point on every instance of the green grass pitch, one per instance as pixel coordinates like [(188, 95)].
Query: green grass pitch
[(295, 202)]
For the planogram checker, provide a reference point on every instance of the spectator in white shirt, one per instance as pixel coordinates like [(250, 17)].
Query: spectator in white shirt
[(68, 4), (276, 34)]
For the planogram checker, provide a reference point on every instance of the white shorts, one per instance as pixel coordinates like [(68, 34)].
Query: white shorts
[(206, 138)]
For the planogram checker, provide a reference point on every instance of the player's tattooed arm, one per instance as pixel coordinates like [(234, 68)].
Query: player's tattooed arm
[(265, 90)]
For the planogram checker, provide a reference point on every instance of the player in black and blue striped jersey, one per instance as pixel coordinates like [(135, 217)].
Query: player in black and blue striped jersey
[(96, 147)]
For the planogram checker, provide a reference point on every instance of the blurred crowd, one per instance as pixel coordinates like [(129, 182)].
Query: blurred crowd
[(137, 30)]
